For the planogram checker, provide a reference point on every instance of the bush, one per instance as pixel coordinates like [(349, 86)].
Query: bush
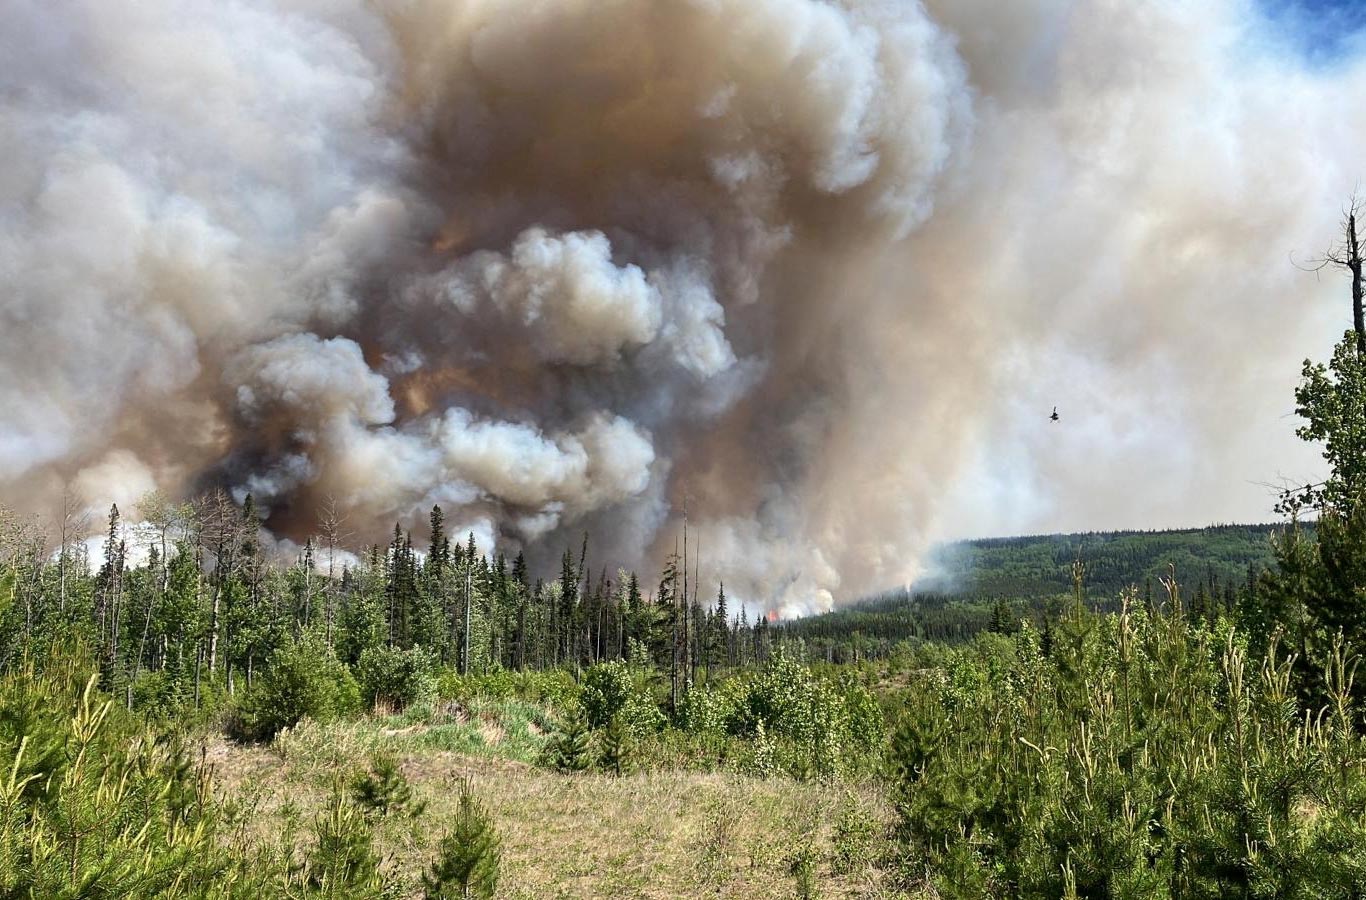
[(396, 678), (613, 690), (606, 688), (305, 679), (555, 687), (814, 727), (708, 710)]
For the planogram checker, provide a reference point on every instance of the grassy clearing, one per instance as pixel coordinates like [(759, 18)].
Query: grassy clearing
[(651, 834)]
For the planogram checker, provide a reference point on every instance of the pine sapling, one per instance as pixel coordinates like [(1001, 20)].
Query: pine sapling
[(469, 855), (384, 789), (344, 860), (616, 748), (569, 751)]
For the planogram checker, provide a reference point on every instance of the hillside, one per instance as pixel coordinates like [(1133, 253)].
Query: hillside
[(971, 577), (1036, 567)]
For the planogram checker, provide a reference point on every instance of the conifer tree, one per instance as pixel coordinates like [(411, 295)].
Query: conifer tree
[(469, 855), (616, 747), (383, 789), (344, 860), (569, 750)]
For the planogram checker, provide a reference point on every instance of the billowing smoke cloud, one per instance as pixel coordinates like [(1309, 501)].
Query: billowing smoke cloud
[(816, 270)]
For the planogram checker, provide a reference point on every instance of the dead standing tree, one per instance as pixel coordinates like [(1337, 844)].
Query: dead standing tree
[(1347, 255)]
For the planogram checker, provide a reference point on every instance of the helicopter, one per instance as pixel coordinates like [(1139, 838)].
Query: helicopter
[(1054, 417)]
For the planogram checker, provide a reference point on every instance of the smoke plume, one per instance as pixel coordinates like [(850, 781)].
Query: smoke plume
[(816, 271)]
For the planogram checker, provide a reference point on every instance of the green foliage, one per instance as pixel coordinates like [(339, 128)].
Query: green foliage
[(383, 789), (607, 687), (615, 739), (761, 757), (710, 709), (1145, 758), (305, 679), (552, 687), (91, 808), (467, 865), (394, 678), (616, 691), (802, 866), (343, 862), (570, 749), (1332, 401), (855, 840), (821, 728)]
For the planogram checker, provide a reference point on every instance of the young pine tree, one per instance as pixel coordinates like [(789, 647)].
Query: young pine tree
[(569, 750), (384, 790), (616, 748), (344, 862), (469, 855)]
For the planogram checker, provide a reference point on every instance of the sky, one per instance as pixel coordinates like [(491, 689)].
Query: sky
[(1323, 32), (814, 272)]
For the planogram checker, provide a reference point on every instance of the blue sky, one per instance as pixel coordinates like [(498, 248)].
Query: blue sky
[(1323, 31)]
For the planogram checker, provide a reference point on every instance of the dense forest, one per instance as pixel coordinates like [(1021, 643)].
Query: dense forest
[(1038, 567), (205, 611), (982, 584)]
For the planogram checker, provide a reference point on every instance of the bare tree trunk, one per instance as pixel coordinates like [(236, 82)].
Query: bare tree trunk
[(465, 646), (1353, 262), (213, 628)]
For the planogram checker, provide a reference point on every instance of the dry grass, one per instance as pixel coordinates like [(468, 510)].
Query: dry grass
[(648, 835)]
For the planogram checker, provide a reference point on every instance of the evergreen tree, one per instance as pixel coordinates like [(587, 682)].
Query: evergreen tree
[(616, 747), (344, 860), (383, 789), (469, 855), (569, 750)]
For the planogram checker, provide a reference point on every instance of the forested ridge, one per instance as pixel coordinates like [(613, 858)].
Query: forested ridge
[(1038, 566), (979, 584)]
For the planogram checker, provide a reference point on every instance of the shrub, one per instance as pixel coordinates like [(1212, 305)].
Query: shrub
[(614, 690), (396, 678), (305, 679), (814, 726), (555, 687), (607, 687), (855, 839), (708, 710)]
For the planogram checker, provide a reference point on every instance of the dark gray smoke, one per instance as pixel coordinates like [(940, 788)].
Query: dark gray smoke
[(817, 270)]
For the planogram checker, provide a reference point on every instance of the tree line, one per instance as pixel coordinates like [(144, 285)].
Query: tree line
[(204, 606)]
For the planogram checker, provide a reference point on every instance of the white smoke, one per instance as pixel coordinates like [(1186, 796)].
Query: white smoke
[(817, 269)]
